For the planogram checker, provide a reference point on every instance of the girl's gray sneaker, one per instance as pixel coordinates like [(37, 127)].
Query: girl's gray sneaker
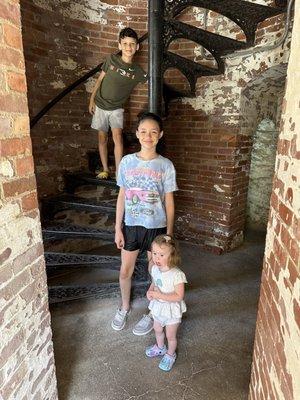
[(119, 320), (144, 326)]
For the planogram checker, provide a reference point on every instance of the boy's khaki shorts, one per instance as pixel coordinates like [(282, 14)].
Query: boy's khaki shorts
[(103, 119)]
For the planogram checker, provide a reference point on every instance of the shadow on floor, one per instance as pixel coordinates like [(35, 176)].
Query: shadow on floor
[(214, 345)]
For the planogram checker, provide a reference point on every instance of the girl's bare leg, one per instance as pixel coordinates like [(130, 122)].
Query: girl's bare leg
[(171, 333), (159, 334), (128, 262)]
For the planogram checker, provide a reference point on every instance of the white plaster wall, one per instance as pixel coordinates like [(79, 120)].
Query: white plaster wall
[(261, 174)]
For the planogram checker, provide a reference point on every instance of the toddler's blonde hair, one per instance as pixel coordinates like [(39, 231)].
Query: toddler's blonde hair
[(167, 240)]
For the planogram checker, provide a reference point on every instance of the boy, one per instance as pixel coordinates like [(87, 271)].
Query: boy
[(147, 182), (118, 78)]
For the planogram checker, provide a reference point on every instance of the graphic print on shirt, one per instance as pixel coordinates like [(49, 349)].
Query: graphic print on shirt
[(158, 282), (143, 191), (122, 71)]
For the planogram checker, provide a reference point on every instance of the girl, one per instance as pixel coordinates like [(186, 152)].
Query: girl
[(166, 298)]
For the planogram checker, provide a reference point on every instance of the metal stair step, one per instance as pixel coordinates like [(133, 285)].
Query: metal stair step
[(217, 45), (64, 293), (189, 68), (54, 259), (51, 205), (245, 14), (61, 231), (77, 179)]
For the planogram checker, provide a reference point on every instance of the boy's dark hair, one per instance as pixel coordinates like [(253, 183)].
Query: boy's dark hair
[(128, 32), (149, 115)]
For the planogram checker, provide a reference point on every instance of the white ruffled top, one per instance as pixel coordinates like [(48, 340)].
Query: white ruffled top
[(166, 282)]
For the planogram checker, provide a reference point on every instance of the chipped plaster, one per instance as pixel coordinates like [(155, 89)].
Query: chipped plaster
[(68, 64), (58, 84), (238, 72), (243, 69), (84, 10)]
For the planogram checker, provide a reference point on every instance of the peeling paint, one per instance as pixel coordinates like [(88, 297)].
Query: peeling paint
[(120, 25), (221, 94), (219, 189), (58, 85), (6, 169), (76, 127), (86, 10), (68, 64), (89, 84)]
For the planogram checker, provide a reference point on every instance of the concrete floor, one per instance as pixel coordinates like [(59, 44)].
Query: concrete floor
[(215, 339)]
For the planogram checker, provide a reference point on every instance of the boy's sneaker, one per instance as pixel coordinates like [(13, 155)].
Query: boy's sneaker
[(119, 320), (167, 362), (144, 326), (154, 351)]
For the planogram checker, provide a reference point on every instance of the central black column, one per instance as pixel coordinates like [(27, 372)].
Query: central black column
[(155, 29)]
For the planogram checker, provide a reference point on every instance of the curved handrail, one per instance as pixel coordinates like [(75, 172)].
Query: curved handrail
[(67, 90), (62, 94)]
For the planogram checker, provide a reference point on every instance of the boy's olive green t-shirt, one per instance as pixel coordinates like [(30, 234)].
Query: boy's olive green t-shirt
[(119, 81)]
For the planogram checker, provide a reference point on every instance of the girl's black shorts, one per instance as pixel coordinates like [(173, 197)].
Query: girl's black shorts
[(140, 238)]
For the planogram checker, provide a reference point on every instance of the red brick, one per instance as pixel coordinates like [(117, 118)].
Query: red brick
[(11, 58), (10, 348), (294, 251), (14, 147), (21, 124), (3, 257), (29, 202), (19, 186), (285, 237), (12, 36), (13, 103), (16, 82), (27, 258), (283, 146), (24, 166), (280, 253), (295, 153), (296, 228), (285, 213), (5, 126), (10, 12)]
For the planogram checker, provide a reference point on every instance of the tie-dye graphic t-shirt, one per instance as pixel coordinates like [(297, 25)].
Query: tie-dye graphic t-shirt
[(145, 184)]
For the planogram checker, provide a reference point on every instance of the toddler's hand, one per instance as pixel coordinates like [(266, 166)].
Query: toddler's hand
[(149, 297), (152, 293)]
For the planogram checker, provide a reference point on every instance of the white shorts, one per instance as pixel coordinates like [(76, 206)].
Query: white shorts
[(164, 321), (103, 119)]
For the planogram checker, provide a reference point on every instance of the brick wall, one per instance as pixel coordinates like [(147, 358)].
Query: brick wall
[(26, 354), (61, 43), (276, 362)]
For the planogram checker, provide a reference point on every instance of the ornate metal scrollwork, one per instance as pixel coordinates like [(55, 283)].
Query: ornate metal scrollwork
[(245, 14)]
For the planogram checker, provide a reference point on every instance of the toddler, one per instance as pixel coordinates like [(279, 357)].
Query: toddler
[(166, 295)]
